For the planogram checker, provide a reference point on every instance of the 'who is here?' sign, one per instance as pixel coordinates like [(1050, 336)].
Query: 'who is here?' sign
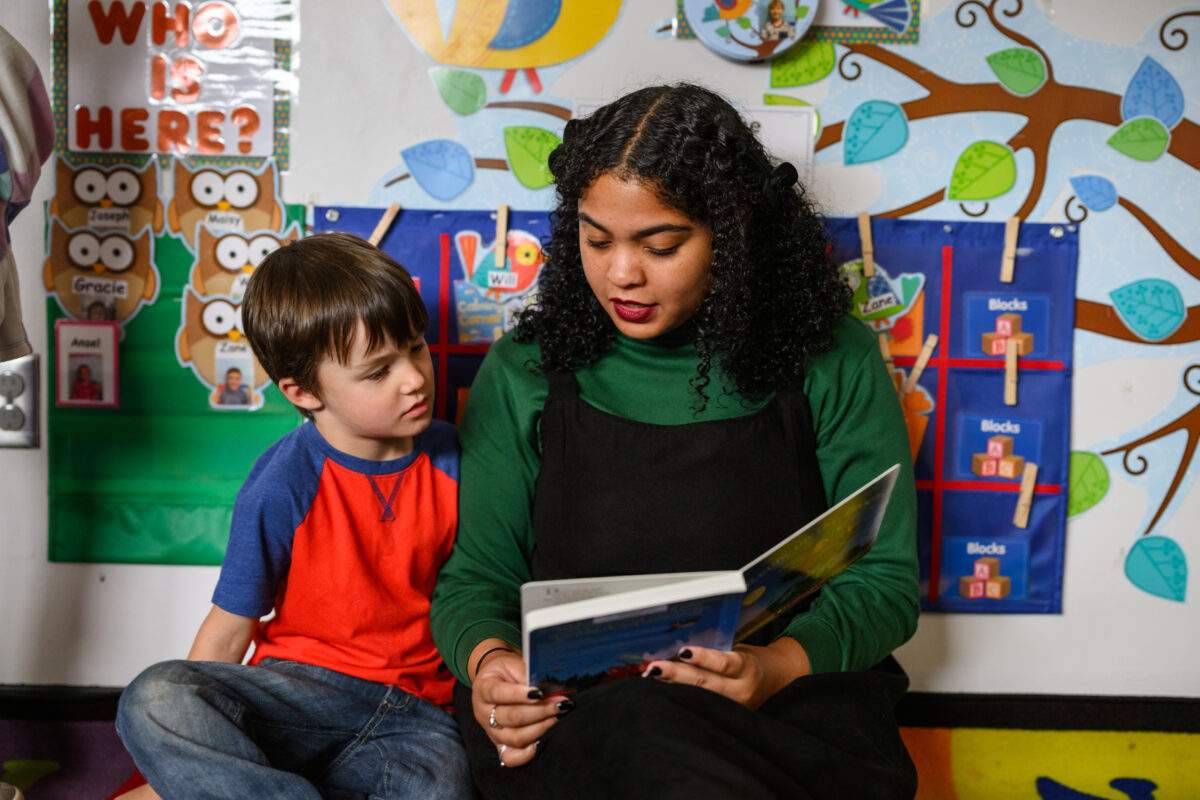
[(179, 78)]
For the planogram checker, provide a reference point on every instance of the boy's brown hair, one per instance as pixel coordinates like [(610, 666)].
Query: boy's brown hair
[(304, 302)]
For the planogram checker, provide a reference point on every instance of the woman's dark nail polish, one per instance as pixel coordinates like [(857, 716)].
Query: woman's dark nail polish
[(685, 653), (566, 704), (654, 672), (534, 694)]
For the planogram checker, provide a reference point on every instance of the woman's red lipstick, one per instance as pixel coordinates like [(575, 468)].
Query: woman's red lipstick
[(632, 312)]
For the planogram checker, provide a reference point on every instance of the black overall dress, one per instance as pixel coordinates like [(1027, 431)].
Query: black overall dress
[(615, 496)]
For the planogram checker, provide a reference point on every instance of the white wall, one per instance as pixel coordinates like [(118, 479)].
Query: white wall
[(363, 97)]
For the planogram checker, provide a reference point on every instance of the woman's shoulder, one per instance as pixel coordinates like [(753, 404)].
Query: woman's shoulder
[(851, 343)]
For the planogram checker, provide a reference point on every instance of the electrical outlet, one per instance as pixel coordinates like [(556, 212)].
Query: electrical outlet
[(19, 402)]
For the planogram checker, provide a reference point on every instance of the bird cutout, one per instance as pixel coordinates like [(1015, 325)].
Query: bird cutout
[(506, 34), (100, 275), (881, 300), (120, 197), (894, 14), (732, 9), (225, 261), (211, 341), (235, 200), (523, 260)]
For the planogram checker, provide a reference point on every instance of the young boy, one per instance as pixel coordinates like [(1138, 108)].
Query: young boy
[(340, 529)]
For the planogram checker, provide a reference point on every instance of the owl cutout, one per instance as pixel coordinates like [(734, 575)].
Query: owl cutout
[(225, 261), (234, 200), (211, 342), (103, 198), (100, 275)]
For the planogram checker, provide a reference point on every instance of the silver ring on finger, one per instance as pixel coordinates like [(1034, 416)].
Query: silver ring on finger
[(503, 747), (492, 719)]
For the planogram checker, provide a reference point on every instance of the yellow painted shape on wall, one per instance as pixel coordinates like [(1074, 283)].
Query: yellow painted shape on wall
[(1003, 764), (581, 24)]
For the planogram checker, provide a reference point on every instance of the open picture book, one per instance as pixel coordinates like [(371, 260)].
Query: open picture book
[(583, 631)]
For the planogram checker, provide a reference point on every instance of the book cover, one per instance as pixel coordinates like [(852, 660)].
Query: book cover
[(580, 632)]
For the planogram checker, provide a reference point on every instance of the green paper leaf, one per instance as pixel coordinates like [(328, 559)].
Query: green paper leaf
[(528, 149), (722, 31), (807, 62), (463, 92), (1144, 139), (1157, 565), (1021, 70), (787, 100), (743, 23), (984, 170), (1089, 482), (802, 12)]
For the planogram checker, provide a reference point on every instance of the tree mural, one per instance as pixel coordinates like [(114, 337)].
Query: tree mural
[(1147, 122)]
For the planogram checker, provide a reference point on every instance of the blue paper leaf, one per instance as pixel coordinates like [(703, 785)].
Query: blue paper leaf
[(1158, 566), (1153, 92), (1097, 193), (442, 167), (1151, 308), (875, 130)]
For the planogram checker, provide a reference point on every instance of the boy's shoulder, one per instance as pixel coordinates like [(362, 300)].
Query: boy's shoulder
[(440, 442)]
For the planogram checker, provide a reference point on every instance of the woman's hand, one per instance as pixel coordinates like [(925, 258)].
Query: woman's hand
[(748, 675), (512, 714)]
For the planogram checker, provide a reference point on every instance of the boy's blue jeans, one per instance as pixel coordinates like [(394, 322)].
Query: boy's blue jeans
[(201, 729)]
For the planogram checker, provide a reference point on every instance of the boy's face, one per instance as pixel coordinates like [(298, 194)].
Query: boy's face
[(233, 380), (373, 405)]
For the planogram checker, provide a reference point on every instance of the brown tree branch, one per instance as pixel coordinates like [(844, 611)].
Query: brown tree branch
[(1103, 319), (529, 105), (1173, 248), (1005, 30)]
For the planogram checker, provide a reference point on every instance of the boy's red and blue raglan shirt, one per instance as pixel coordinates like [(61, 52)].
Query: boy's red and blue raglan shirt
[(346, 551)]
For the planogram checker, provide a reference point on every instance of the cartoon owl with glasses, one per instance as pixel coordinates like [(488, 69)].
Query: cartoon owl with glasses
[(120, 198), (100, 275), (212, 343), (238, 200), (225, 261)]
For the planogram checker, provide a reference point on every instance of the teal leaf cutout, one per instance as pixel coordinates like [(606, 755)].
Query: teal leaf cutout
[(983, 171), (807, 62), (1157, 565), (528, 150), (723, 31), (442, 167), (1097, 193), (1152, 308), (1089, 482), (1144, 139), (1020, 69), (463, 92), (1153, 92), (875, 130), (711, 13)]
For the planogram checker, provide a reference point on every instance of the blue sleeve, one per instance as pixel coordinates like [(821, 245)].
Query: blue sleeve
[(270, 506), (440, 442)]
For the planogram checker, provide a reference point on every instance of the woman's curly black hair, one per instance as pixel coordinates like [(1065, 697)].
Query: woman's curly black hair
[(775, 292)]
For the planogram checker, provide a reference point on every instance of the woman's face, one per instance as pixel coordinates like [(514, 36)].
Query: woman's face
[(650, 265)]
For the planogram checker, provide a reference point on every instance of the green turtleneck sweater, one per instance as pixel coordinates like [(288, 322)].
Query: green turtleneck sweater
[(859, 616)]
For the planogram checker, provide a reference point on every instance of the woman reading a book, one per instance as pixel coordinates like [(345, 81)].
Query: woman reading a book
[(687, 392)]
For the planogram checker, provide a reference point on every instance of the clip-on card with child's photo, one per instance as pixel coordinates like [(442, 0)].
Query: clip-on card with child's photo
[(223, 199), (211, 342), (86, 363)]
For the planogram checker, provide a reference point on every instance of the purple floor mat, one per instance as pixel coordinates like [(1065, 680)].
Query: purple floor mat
[(75, 760)]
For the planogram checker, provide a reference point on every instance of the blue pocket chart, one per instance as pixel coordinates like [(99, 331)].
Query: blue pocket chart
[(970, 447)]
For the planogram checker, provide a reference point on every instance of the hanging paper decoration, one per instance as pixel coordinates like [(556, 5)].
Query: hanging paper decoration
[(1143, 139), (528, 150), (1157, 565), (442, 167), (122, 197), (804, 64), (1088, 484), (224, 199), (1021, 70), (1152, 308), (100, 275), (1153, 92), (1095, 192), (226, 260), (463, 92), (983, 171), (750, 30), (875, 130), (211, 341)]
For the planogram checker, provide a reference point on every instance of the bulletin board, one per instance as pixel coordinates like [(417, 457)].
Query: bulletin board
[(970, 448)]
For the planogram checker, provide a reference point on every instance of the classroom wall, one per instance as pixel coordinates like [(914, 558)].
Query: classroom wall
[(364, 96)]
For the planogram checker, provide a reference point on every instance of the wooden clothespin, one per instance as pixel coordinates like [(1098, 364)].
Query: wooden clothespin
[(385, 222), (868, 247), (1010, 372), (1025, 498), (501, 234), (888, 362), (1010, 249), (922, 360)]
